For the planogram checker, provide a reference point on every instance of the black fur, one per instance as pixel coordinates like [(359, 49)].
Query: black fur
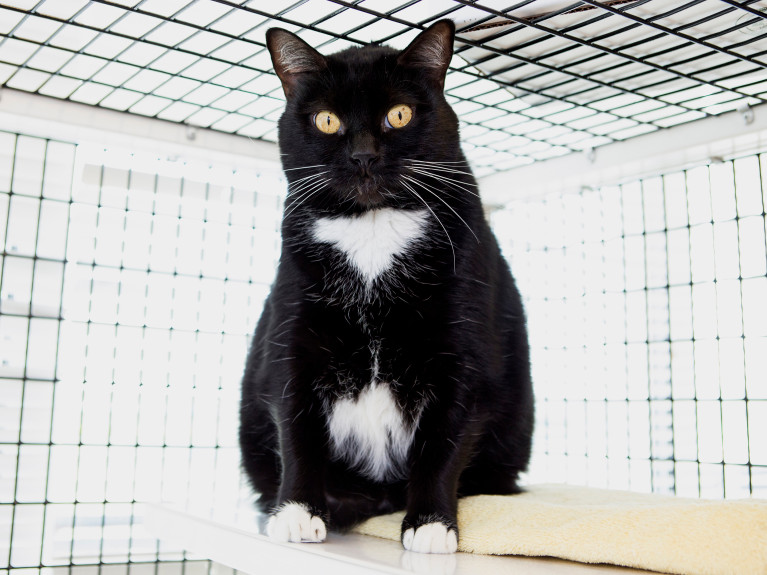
[(446, 320)]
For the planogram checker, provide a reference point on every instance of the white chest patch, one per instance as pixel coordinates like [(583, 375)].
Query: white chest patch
[(372, 240), (370, 433)]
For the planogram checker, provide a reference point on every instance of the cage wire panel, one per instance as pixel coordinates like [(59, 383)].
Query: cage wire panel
[(530, 80), (127, 301), (129, 286), (648, 328)]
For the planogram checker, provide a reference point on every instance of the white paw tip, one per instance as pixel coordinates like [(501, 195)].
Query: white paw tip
[(431, 538), (294, 523)]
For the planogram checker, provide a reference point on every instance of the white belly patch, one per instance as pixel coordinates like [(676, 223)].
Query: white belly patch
[(371, 241), (370, 433)]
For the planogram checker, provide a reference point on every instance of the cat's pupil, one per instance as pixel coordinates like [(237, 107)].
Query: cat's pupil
[(399, 115), (328, 120)]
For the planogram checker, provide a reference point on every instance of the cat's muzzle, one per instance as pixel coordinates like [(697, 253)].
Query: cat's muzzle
[(369, 194)]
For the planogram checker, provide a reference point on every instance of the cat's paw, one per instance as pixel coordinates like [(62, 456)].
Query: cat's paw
[(294, 522), (433, 537)]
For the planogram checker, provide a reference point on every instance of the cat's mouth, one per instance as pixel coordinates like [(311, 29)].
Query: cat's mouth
[(368, 193)]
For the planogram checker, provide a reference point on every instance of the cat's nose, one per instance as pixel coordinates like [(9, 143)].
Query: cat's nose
[(363, 151), (365, 159)]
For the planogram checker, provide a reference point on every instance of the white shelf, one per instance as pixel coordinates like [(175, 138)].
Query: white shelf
[(232, 539)]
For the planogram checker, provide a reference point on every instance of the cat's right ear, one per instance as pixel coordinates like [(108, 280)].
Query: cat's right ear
[(430, 52), (292, 57)]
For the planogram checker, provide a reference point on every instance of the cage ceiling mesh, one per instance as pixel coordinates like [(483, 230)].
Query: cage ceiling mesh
[(530, 80)]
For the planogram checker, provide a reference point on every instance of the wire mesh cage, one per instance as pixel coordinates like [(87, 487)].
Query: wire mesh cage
[(648, 323), (529, 80), (123, 332), (130, 284)]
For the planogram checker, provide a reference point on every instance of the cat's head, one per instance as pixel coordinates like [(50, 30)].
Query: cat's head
[(361, 125)]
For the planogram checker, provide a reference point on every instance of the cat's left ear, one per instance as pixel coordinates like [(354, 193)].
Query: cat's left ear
[(292, 57), (431, 51)]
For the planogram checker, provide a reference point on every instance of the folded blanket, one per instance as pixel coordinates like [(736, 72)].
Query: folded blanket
[(654, 532)]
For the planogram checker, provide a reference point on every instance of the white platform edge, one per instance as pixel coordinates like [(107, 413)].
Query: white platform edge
[(245, 550), (240, 547)]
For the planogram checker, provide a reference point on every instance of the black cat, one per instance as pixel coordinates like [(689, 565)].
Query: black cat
[(390, 367)]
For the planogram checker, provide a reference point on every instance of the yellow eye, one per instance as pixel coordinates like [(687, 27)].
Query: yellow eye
[(399, 116), (327, 122)]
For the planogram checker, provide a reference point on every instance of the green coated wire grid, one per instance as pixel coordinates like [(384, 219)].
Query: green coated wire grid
[(531, 80)]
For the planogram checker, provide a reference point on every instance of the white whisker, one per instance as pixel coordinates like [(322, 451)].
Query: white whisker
[(297, 202), (433, 162), (428, 207), (426, 187), (445, 164), (457, 183), (303, 167), (296, 184), (299, 194), (440, 169)]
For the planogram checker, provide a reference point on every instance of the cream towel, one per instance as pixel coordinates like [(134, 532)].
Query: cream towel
[(654, 532)]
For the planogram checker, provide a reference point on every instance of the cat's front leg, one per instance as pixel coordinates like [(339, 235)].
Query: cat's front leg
[(441, 452), (301, 514), (430, 524)]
